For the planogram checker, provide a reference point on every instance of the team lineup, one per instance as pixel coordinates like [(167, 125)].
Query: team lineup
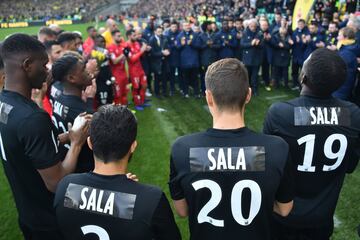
[(71, 121)]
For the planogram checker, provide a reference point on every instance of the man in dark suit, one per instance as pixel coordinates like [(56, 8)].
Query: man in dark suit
[(174, 58), (159, 64), (252, 44), (208, 51)]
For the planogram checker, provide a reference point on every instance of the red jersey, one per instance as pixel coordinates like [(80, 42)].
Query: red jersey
[(135, 67), (88, 46), (115, 52)]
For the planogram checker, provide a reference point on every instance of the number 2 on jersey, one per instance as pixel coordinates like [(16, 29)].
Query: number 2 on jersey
[(309, 141), (236, 203), (62, 128), (99, 231)]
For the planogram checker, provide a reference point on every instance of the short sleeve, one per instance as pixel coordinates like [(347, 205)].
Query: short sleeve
[(285, 192), (60, 192), (176, 190), (39, 139), (163, 222), (267, 128)]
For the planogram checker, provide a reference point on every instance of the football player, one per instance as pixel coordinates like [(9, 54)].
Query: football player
[(229, 179), (28, 140), (323, 135), (105, 203), (71, 72)]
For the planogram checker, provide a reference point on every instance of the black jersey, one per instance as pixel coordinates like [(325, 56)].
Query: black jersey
[(104, 85), (323, 136), (230, 180), (65, 109), (112, 207), (28, 142), (56, 89)]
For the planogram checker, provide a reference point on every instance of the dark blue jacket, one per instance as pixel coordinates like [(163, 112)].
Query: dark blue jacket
[(281, 56), (174, 58), (311, 46), (252, 55), (299, 47), (208, 53), (348, 54), (238, 50), (357, 38), (226, 50), (331, 39), (158, 61), (189, 53), (267, 48), (148, 33)]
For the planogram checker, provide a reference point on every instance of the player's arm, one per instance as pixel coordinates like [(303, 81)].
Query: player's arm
[(285, 193), (135, 57), (163, 222), (283, 209), (181, 207), (40, 144), (176, 192), (52, 175), (116, 60)]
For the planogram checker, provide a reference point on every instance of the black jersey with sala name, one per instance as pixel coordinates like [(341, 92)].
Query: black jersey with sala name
[(28, 143), (65, 109), (323, 136), (93, 206), (230, 180)]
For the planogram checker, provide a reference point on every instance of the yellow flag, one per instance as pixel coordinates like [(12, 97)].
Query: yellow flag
[(302, 11)]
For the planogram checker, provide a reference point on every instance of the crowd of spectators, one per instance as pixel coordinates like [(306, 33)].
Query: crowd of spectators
[(42, 10), (259, 33)]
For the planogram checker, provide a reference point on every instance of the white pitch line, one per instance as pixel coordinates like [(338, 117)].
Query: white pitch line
[(277, 97)]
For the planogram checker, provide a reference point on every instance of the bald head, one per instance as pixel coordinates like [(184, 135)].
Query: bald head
[(111, 24)]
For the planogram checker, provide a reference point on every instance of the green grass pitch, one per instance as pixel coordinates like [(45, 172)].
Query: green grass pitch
[(157, 130)]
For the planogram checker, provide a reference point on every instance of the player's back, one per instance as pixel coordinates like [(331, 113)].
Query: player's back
[(27, 143), (323, 136), (230, 180), (93, 206), (65, 109)]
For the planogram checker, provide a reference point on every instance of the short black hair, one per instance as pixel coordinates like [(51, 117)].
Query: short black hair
[(48, 44), (324, 71), (77, 35), (63, 66), (228, 81), (113, 129), (99, 36), (89, 28), (66, 37), (115, 32), (20, 43), (129, 32), (301, 20), (47, 31), (157, 27)]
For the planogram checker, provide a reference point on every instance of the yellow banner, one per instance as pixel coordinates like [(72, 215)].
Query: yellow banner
[(302, 11), (14, 25), (59, 22)]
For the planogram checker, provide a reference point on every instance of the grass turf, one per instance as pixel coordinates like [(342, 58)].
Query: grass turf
[(157, 131)]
